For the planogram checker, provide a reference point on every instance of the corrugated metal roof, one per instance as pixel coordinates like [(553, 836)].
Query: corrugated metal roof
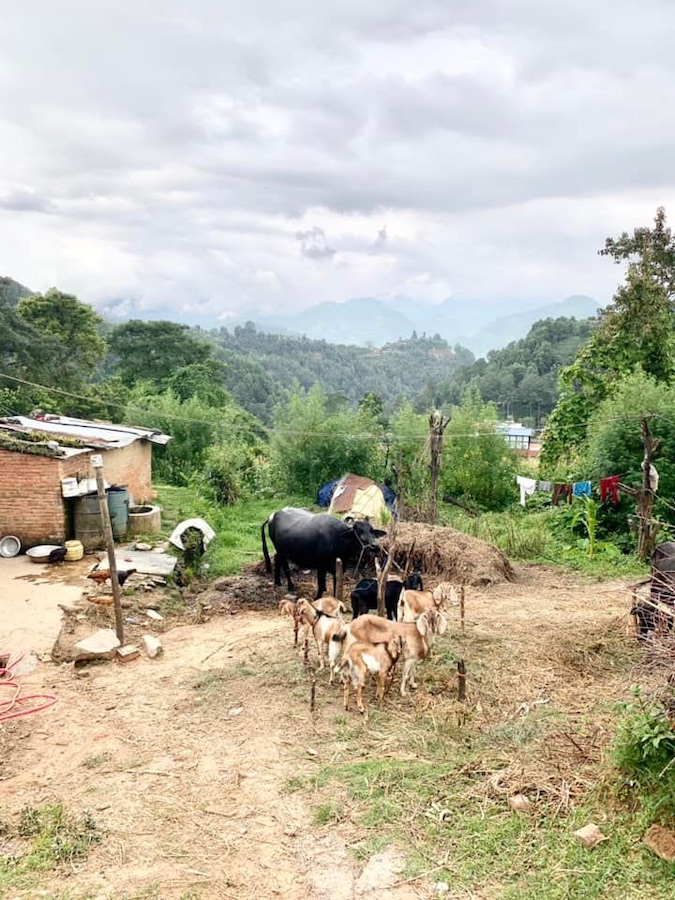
[(96, 435)]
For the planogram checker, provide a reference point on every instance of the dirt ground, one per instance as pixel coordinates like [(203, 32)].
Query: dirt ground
[(31, 616), (183, 759)]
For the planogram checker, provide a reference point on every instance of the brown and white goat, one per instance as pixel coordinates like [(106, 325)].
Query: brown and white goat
[(362, 658), (290, 608), (412, 604), (323, 618), (418, 638)]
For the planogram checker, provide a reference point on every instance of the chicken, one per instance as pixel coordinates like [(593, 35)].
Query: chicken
[(101, 575), (57, 555)]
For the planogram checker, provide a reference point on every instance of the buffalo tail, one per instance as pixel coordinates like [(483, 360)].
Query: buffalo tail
[(268, 561)]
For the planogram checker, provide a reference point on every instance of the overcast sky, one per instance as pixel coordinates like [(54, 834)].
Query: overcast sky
[(204, 158)]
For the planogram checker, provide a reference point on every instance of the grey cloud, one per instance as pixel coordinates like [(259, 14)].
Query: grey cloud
[(23, 200), (313, 244)]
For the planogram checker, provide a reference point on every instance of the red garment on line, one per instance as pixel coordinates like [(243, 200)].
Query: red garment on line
[(609, 488)]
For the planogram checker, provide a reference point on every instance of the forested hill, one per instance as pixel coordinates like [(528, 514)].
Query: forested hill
[(397, 370), (11, 291), (522, 378)]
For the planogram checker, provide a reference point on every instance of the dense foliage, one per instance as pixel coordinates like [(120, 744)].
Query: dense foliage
[(313, 443), (396, 371), (635, 331), (521, 379), (478, 467)]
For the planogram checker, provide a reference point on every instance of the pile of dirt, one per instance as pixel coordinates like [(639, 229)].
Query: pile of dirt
[(450, 555)]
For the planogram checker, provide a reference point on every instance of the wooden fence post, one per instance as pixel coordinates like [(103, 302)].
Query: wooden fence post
[(339, 580), (97, 463), (461, 680)]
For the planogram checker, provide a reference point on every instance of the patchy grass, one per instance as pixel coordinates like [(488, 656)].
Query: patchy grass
[(542, 536), (93, 762), (45, 838)]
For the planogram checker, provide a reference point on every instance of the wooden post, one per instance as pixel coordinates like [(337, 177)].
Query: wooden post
[(437, 425), (339, 580), (312, 691), (461, 680), (461, 606), (409, 560), (97, 463), (383, 573), (647, 529)]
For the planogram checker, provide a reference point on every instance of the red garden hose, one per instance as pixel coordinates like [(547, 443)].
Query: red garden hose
[(8, 708)]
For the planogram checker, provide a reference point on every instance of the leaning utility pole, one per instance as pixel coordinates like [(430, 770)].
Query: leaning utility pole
[(437, 425)]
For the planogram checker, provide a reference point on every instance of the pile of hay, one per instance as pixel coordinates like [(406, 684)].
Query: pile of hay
[(450, 555)]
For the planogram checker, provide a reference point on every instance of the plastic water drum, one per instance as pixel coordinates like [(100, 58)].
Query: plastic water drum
[(118, 506)]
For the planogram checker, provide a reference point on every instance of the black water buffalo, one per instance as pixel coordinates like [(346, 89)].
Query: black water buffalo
[(364, 595), (314, 542)]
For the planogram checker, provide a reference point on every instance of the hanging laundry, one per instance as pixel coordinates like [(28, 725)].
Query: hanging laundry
[(609, 488), (527, 487), (581, 489), (561, 492), (545, 486)]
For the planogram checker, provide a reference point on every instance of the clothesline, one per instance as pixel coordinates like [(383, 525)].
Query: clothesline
[(608, 488)]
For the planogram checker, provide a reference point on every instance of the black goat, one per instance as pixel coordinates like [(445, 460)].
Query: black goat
[(364, 595)]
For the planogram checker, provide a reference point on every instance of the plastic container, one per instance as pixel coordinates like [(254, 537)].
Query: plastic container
[(118, 506), (74, 550)]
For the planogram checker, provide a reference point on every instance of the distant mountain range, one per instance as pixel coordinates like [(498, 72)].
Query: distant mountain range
[(370, 321)]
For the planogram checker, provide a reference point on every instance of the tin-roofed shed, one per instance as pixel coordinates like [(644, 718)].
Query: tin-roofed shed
[(38, 454)]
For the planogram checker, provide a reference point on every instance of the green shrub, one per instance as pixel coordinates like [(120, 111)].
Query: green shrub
[(645, 742)]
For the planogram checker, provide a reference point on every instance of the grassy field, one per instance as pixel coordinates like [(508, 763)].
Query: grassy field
[(237, 528)]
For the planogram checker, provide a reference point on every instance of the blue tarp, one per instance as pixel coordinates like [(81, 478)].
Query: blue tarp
[(325, 492), (389, 497)]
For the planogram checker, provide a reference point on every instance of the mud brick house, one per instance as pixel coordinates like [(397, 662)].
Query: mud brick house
[(36, 455)]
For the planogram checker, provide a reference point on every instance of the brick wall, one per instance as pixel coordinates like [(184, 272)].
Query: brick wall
[(130, 466), (31, 504)]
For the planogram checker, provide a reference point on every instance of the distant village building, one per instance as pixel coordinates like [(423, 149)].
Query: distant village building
[(45, 465), (519, 438)]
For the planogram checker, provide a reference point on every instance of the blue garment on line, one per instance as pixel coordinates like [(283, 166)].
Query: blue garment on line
[(581, 489)]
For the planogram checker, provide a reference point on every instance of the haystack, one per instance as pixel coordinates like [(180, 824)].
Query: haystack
[(450, 555)]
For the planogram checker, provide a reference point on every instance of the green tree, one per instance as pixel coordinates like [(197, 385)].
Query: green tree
[(311, 444), (614, 445), (71, 348), (477, 464), (636, 330), (408, 438), (196, 428), (154, 351)]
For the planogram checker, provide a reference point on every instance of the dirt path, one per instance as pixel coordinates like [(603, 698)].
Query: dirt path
[(183, 762)]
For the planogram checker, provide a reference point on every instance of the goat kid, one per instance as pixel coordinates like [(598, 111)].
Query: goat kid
[(323, 618), (290, 608), (412, 604), (362, 658), (418, 639)]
